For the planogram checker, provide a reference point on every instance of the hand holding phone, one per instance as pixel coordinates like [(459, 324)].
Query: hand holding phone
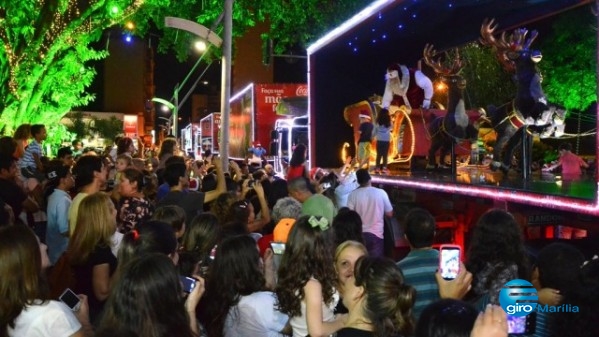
[(278, 248), (449, 261), (188, 283), (522, 325), (71, 299)]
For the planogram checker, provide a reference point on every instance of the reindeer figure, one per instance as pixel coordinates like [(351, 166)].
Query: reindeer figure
[(529, 107), (455, 125)]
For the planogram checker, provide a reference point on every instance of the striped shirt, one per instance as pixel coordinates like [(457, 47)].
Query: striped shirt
[(419, 268), (28, 160)]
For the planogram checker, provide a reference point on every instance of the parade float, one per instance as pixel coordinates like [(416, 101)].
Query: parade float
[(349, 64)]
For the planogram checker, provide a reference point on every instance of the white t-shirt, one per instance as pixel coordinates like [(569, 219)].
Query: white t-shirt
[(50, 319), (371, 203), (255, 315), (346, 186)]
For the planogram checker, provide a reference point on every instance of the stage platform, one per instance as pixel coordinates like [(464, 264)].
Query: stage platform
[(541, 189)]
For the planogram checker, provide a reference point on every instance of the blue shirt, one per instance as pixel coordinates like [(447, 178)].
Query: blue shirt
[(162, 191), (58, 222), (257, 151), (382, 133), (28, 160), (419, 268)]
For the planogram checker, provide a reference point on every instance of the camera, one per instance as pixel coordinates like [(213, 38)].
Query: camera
[(250, 183)]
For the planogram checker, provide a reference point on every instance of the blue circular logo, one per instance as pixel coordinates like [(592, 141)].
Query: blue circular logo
[(518, 298)]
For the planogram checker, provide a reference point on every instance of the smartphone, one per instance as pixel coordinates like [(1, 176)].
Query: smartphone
[(277, 247), (523, 325), (188, 283), (71, 299), (449, 261)]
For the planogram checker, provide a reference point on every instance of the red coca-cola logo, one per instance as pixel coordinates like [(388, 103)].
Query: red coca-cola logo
[(301, 91)]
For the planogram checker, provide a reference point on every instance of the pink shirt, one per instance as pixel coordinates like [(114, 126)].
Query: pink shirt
[(571, 164)]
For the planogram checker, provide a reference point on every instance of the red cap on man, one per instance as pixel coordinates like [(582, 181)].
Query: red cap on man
[(365, 114)]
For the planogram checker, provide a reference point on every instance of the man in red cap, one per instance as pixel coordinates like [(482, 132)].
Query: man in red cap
[(257, 153)]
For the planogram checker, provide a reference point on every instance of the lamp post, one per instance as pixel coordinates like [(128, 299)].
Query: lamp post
[(207, 34), (174, 116), (202, 32)]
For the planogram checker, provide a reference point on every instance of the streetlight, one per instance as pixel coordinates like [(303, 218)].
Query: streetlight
[(208, 35), (166, 105), (205, 34)]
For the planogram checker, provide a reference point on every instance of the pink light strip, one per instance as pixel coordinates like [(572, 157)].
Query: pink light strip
[(523, 197)]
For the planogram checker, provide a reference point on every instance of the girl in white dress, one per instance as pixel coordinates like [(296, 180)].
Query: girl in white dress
[(306, 287)]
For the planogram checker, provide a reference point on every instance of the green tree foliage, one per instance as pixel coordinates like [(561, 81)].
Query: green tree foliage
[(45, 53), (78, 125), (58, 135), (293, 23), (487, 82), (107, 128), (46, 45), (569, 65)]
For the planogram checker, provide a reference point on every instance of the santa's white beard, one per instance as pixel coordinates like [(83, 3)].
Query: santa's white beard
[(395, 86)]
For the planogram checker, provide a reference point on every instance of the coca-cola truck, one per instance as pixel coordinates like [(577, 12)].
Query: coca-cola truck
[(189, 139), (210, 133), (254, 112)]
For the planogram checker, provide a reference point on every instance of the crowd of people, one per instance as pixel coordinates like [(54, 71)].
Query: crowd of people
[(182, 247)]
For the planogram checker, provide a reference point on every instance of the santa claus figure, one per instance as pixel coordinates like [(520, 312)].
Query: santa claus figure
[(405, 86)]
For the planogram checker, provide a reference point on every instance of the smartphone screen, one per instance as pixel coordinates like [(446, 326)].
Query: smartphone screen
[(523, 325), (278, 248), (449, 261), (188, 283), (516, 324), (71, 299)]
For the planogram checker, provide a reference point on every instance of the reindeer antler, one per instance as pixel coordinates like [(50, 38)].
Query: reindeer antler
[(430, 53), (515, 42), (501, 46)]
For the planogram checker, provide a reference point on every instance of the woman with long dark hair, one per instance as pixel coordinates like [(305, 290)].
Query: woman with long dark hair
[(297, 163), (496, 255), (147, 301), (238, 302), (306, 287), (382, 133)]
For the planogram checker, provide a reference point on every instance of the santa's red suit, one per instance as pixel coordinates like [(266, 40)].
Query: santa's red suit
[(408, 87)]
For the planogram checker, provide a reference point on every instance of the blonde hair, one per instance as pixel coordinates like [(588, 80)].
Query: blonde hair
[(349, 243), (95, 227), (127, 158)]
